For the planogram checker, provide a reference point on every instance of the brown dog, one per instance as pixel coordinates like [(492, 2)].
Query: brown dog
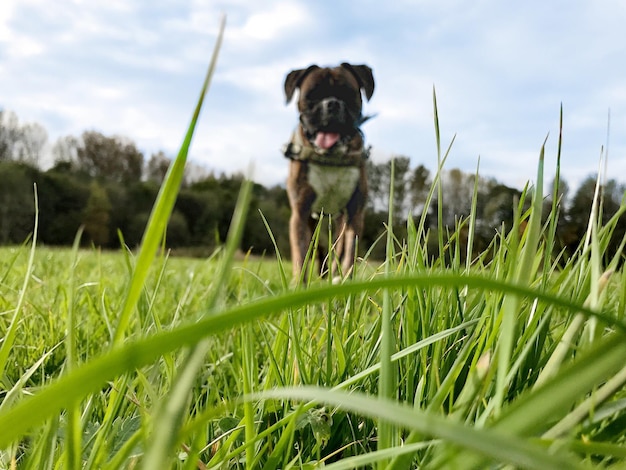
[(327, 169)]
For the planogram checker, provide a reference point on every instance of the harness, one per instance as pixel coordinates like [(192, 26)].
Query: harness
[(333, 173), (340, 155)]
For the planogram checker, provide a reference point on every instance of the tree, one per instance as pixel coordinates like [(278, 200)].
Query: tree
[(401, 185), (22, 143), (113, 158), (62, 200), (33, 138), (498, 208), (177, 231), (562, 190), (157, 167), (17, 208), (273, 206), (96, 215), (130, 202), (65, 151), (201, 209), (579, 211), (379, 183), (457, 192), (419, 187), (10, 135)]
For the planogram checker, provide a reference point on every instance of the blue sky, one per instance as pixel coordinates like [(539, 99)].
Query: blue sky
[(501, 71)]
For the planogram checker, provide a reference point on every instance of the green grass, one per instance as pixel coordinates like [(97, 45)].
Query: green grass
[(511, 359)]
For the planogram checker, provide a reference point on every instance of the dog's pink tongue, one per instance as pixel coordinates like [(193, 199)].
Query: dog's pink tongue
[(326, 140)]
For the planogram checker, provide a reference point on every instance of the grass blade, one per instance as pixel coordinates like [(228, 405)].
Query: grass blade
[(533, 411), (157, 223), (9, 336), (501, 447), (170, 413), (89, 377), (523, 275), (387, 376)]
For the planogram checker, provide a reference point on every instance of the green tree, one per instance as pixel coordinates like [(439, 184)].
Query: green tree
[(157, 167), (177, 231), (201, 209), (113, 158), (62, 200), (17, 207), (377, 185), (498, 208), (273, 205), (579, 211), (458, 188), (419, 186), (65, 152), (401, 185), (134, 231), (96, 216)]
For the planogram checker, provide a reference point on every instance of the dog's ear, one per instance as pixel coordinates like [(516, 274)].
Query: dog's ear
[(294, 79), (364, 76)]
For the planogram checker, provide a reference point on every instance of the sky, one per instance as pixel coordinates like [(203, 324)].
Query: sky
[(501, 72)]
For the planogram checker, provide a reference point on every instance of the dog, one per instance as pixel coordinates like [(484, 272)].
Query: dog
[(327, 169)]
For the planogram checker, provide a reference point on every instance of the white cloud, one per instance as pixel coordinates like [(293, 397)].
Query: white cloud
[(271, 24), (17, 45), (24, 47), (265, 80), (250, 25), (135, 68), (7, 10)]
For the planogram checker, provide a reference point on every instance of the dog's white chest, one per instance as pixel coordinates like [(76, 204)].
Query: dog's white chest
[(333, 185)]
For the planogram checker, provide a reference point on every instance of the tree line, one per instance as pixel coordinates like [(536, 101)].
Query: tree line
[(107, 186)]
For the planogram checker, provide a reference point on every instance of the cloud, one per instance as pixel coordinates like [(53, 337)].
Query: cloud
[(7, 10), (501, 73), (20, 45), (272, 23)]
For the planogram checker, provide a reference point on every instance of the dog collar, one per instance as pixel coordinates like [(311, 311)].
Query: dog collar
[(339, 155)]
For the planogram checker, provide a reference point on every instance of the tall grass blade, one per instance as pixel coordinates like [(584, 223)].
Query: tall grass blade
[(73, 429), (133, 354), (387, 377), (439, 181), (532, 412), (494, 446), (157, 223), (556, 203), (9, 336), (171, 410), (523, 273)]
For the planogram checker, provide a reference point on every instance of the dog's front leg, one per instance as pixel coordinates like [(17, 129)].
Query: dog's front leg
[(299, 239), (339, 222), (353, 230)]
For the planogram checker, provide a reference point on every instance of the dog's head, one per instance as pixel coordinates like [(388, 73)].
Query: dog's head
[(330, 101)]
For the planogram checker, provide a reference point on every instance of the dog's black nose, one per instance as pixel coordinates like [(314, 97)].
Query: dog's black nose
[(331, 106)]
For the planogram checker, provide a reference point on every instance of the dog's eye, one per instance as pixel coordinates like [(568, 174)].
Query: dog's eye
[(312, 97), (345, 92)]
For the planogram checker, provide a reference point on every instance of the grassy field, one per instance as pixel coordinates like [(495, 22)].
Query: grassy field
[(510, 359), (262, 375)]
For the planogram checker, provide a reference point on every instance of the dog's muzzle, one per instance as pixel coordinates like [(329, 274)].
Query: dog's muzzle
[(329, 115), (332, 110)]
